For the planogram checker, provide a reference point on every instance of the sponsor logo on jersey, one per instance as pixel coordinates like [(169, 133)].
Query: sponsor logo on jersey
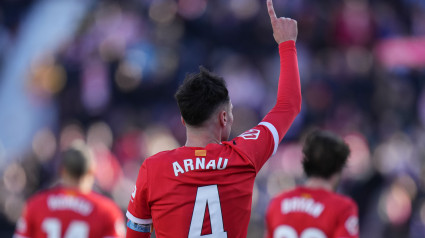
[(352, 225), (251, 134), (302, 204)]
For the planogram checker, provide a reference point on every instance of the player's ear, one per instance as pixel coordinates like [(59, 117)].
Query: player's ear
[(183, 122), (223, 118)]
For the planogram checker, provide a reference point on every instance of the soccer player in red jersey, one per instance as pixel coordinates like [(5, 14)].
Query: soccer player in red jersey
[(204, 189), (315, 210), (72, 209)]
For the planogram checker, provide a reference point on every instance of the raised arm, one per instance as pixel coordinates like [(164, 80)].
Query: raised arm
[(288, 103)]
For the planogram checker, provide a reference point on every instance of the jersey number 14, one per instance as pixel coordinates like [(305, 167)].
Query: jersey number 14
[(207, 195), (76, 229)]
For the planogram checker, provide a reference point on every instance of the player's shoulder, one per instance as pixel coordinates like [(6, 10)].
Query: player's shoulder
[(41, 196)]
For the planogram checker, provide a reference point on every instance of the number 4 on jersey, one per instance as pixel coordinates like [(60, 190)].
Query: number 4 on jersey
[(207, 195)]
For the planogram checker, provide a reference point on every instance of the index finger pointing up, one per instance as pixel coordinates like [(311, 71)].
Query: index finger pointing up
[(270, 8)]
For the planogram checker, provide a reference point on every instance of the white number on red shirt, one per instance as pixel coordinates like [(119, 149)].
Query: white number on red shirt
[(207, 195), (76, 229), (284, 231)]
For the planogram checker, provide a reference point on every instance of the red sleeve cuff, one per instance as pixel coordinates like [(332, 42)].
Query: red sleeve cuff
[(286, 45)]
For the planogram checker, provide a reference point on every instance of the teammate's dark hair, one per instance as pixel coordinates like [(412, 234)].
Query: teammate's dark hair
[(76, 160), (200, 95), (324, 154)]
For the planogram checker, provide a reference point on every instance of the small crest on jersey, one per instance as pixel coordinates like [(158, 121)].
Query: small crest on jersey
[(200, 153), (352, 225), (306, 195), (251, 134), (70, 193)]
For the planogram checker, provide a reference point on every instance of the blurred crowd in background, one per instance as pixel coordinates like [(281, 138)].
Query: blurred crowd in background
[(111, 83)]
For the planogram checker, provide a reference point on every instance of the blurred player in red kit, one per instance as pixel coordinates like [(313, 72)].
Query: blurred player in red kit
[(71, 209), (315, 210), (204, 189)]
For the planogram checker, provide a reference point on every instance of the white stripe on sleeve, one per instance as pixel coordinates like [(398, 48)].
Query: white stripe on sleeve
[(273, 130), (138, 220)]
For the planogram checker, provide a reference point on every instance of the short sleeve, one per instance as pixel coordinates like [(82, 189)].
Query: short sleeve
[(348, 223), (138, 208), (257, 144)]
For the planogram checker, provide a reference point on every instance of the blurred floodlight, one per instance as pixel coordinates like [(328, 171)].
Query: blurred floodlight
[(192, 9), (163, 11), (14, 178), (44, 144)]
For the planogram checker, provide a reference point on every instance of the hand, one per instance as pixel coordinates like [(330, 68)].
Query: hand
[(284, 29)]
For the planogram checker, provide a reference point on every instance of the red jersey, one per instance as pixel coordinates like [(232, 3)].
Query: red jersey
[(305, 212), (207, 192), (65, 212)]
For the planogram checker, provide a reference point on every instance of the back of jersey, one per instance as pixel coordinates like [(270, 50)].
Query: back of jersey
[(305, 212), (63, 212), (197, 192)]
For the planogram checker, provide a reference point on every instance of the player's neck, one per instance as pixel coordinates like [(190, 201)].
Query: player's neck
[(319, 183), (81, 185), (201, 137)]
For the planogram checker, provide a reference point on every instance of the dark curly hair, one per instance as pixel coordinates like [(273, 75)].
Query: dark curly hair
[(324, 154), (200, 95)]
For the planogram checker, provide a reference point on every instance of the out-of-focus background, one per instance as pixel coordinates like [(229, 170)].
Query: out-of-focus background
[(106, 72)]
